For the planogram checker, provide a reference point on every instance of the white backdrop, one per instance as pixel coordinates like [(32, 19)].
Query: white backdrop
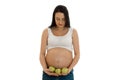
[(97, 23)]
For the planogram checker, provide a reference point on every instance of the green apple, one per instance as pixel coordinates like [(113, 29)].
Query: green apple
[(58, 71), (64, 70), (51, 68)]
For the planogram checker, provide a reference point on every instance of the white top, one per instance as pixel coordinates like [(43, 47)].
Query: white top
[(60, 41)]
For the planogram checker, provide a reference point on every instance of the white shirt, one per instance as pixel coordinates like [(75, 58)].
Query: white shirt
[(60, 41)]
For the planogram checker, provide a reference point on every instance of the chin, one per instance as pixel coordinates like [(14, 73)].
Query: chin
[(61, 26)]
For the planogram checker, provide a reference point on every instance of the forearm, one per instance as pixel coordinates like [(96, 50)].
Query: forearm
[(43, 62), (75, 61)]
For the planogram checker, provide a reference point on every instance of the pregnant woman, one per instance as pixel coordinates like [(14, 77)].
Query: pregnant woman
[(59, 46)]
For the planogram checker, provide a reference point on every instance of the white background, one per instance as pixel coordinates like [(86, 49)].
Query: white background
[(97, 23)]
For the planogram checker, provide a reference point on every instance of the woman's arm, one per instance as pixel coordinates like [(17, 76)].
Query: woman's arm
[(44, 40), (76, 49), (43, 49)]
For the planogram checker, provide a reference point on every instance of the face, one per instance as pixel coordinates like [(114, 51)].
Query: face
[(60, 19)]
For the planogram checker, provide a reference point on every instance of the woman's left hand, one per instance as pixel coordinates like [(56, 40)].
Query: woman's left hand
[(64, 74)]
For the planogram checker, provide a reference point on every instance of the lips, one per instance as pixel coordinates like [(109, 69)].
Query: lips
[(60, 25)]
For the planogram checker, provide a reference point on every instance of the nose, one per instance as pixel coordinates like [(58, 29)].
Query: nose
[(60, 21)]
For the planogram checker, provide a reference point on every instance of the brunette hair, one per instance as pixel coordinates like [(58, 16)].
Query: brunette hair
[(62, 9)]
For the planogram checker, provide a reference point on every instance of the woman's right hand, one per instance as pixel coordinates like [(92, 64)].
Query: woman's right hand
[(47, 71)]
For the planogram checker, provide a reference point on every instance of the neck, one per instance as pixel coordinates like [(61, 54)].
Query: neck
[(60, 28)]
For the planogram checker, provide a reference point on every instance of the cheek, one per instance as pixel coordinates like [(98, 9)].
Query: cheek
[(56, 22), (63, 23)]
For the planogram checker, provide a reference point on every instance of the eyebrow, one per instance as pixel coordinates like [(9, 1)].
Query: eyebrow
[(58, 17)]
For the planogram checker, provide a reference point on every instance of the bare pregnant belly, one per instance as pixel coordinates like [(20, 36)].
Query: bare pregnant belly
[(59, 57)]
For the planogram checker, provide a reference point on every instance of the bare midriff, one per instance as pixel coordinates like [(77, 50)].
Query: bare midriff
[(59, 57)]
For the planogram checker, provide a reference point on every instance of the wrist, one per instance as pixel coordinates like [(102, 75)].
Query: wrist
[(44, 69), (70, 69)]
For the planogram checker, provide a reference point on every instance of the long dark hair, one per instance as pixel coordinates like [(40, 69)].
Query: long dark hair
[(63, 9)]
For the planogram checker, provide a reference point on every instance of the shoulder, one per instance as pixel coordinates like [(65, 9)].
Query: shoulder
[(74, 32), (45, 32)]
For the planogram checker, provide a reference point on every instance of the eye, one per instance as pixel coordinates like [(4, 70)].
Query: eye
[(63, 19), (57, 19)]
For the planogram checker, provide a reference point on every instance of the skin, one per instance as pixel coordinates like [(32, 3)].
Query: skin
[(60, 30)]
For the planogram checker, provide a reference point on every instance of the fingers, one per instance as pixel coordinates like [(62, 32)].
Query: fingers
[(54, 74), (64, 74), (47, 71)]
